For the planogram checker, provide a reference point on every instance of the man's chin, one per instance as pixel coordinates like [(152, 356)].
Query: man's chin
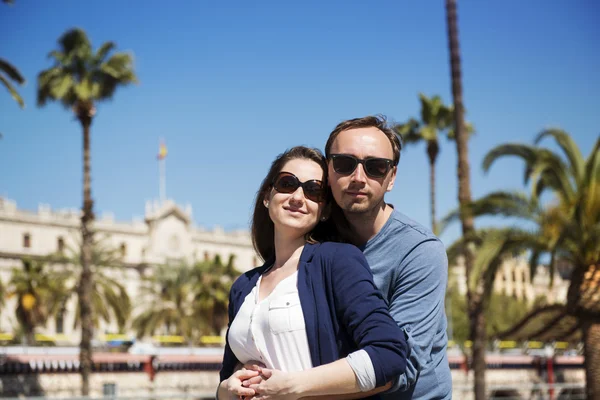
[(356, 208)]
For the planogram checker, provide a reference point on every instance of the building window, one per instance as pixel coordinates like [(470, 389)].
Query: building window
[(524, 276), (27, 240), (60, 244), (514, 275), (206, 256), (123, 250)]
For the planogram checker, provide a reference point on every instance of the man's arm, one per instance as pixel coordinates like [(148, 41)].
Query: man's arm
[(417, 304)]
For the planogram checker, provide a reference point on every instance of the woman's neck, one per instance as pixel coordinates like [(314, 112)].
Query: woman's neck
[(287, 250)]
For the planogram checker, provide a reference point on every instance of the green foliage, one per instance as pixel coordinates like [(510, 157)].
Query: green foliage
[(110, 300), (502, 312), (570, 226), (186, 300), (81, 76), (39, 294), (167, 304)]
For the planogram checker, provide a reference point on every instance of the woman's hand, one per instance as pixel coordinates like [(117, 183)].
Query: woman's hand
[(231, 388), (274, 385)]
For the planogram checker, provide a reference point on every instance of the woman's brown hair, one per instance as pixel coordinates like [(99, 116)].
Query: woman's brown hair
[(263, 229)]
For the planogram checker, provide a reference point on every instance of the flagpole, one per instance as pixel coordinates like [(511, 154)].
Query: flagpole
[(163, 178), (162, 175)]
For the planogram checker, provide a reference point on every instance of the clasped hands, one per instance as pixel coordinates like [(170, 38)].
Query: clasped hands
[(255, 382)]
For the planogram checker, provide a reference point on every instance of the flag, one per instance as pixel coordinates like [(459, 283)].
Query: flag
[(162, 151)]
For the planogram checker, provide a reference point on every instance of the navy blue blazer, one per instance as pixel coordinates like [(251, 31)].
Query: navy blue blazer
[(343, 310)]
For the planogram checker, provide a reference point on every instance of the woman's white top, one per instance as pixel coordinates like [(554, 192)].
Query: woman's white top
[(272, 331)]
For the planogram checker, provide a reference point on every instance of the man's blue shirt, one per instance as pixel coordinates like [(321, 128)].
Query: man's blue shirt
[(410, 267)]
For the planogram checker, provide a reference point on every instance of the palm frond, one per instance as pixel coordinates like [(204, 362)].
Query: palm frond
[(12, 72), (523, 151), (13, 92), (568, 146)]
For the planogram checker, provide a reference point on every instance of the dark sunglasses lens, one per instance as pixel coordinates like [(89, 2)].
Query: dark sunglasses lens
[(344, 164), (314, 191), (376, 167), (286, 184)]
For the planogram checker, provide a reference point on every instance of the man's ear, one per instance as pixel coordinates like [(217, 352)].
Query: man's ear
[(390, 184)]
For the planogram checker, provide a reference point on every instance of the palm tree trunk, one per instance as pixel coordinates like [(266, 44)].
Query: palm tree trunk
[(464, 187), (591, 346), (479, 338), (432, 194), (85, 284), (29, 331)]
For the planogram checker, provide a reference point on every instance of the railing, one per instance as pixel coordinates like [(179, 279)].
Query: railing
[(534, 391), (156, 396), (539, 391)]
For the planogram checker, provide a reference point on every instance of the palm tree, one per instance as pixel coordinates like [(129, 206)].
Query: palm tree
[(39, 295), (168, 304), (436, 119), (569, 229), (213, 282), (110, 300), (78, 79), (474, 299)]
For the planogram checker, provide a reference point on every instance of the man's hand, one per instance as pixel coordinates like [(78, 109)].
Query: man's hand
[(233, 385), (274, 385)]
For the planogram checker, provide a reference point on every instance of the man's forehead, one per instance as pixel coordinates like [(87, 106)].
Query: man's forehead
[(363, 140)]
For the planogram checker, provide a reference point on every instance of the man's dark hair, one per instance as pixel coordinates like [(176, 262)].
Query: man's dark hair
[(376, 121)]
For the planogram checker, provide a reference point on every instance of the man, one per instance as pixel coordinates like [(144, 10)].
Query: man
[(409, 263)]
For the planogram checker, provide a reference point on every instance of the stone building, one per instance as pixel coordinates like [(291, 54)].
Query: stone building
[(166, 235), (514, 279)]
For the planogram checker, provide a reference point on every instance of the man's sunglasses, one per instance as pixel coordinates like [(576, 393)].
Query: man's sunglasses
[(286, 182), (345, 164)]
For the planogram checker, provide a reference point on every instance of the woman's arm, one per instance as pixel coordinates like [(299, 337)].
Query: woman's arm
[(362, 313)]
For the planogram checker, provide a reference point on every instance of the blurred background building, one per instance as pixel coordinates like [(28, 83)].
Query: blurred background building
[(166, 236)]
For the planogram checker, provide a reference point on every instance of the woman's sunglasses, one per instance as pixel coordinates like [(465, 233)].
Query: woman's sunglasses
[(345, 164), (286, 182)]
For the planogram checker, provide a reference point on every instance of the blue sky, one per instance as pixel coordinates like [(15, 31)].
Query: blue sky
[(229, 85)]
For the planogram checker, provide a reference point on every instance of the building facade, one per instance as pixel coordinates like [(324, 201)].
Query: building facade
[(166, 235), (514, 279)]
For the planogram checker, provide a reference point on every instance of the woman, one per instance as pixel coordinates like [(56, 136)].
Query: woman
[(311, 314)]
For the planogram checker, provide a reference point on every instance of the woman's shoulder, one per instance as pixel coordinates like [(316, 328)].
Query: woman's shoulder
[(338, 249), (341, 255), (247, 277)]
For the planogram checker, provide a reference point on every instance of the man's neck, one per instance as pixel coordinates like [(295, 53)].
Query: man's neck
[(366, 225)]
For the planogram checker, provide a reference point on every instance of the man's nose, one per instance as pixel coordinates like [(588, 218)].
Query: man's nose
[(359, 174)]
